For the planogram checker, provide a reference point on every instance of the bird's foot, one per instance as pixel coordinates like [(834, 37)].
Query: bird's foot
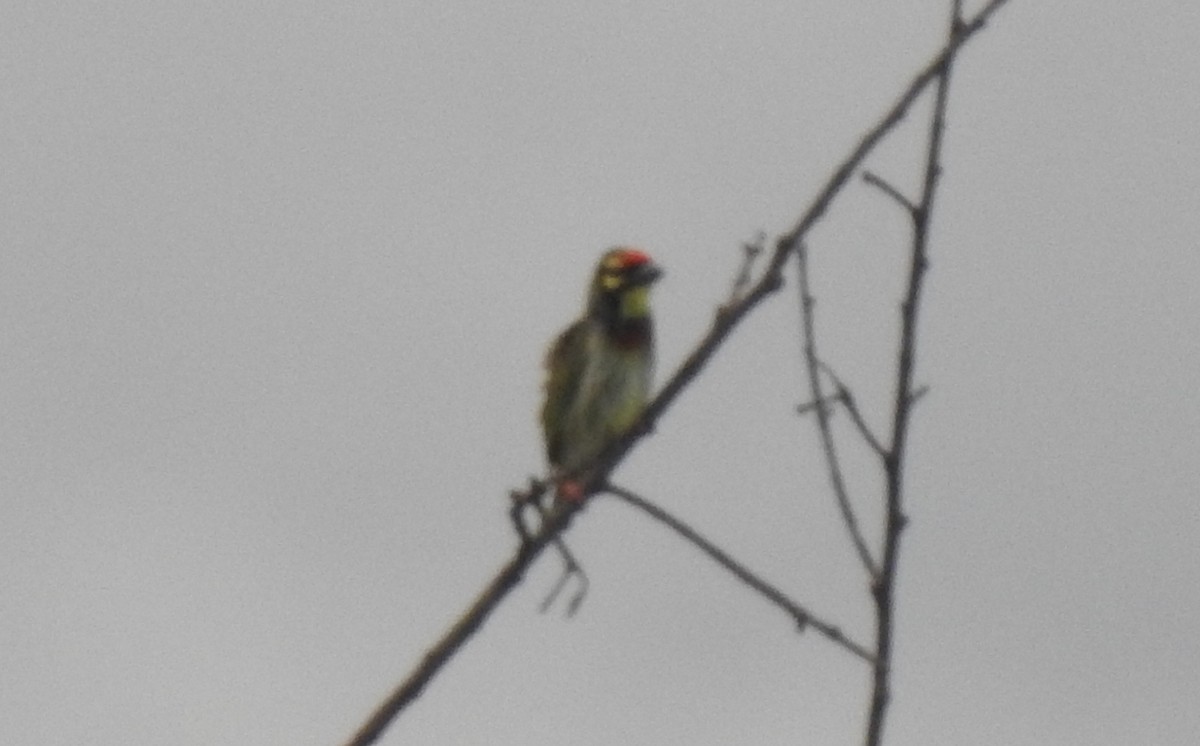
[(570, 490)]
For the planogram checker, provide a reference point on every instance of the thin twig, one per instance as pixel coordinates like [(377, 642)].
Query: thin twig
[(884, 590), (751, 250), (571, 569), (833, 466), (889, 190), (846, 397), (802, 616), (811, 406)]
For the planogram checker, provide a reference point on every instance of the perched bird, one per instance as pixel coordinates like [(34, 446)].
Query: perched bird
[(598, 370)]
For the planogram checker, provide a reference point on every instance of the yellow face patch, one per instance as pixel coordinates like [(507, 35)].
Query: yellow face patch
[(614, 261), (610, 280), (635, 303)]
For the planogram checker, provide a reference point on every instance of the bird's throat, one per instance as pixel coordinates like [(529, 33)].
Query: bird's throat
[(634, 303), (631, 334)]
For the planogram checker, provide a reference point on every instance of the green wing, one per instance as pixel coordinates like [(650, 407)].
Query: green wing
[(564, 372)]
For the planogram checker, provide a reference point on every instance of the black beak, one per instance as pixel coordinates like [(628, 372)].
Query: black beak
[(645, 274)]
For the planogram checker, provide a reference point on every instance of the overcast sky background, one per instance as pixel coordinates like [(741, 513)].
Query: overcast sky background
[(276, 281)]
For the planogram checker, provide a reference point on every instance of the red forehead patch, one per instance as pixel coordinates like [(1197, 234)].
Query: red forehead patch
[(632, 257)]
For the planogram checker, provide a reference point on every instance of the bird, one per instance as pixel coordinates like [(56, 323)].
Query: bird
[(599, 369)]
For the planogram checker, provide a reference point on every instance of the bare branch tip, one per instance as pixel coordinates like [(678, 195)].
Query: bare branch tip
[(751, 250), (891, 191), (810, 407)]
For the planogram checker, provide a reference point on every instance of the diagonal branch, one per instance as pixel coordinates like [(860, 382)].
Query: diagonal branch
[(505, 580), (803, 617), (891, 118), (729, 316), (726, 320), (836, 481)]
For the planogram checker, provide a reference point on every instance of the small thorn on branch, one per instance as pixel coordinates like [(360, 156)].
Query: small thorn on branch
[(751, 251), (917, 395), (809, 407)]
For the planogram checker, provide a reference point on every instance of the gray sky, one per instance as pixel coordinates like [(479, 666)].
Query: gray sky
[(276, 283)]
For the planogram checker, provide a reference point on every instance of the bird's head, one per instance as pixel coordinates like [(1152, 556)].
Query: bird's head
[(621, 285)]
